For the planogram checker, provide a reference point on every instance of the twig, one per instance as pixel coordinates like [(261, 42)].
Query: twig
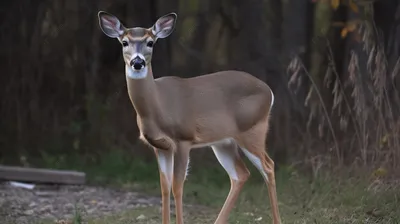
[(325, 111)]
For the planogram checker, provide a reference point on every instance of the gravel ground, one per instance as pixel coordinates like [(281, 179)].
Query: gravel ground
[(19, 205)]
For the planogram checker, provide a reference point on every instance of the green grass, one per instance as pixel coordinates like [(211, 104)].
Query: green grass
[(325, 199)]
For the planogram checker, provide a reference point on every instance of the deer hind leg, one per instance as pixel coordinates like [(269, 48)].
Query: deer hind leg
[(253, 146), (228, 156)]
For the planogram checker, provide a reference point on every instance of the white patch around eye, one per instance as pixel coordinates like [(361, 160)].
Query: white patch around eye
[(136, 74)]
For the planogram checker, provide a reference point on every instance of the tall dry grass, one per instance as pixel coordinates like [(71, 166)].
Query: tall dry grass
[(354, 111)]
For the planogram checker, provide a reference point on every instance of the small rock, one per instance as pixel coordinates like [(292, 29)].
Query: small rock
[(69, 206), (140, 205), (46, 208), (67, 217), (258, 219), (45, 193), (29, 212), (142, 201), (91, 210), (49, 216)]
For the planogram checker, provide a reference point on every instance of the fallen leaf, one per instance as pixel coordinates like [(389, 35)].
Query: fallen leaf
[(375, 213), (344, 32), (258, 219), (353, 6), (380, 172), (351, 26)]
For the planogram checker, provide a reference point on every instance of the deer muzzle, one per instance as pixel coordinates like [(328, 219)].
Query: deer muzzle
[(137, 63)]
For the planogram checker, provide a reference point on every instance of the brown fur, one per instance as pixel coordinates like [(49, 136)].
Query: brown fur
[(187, 109)]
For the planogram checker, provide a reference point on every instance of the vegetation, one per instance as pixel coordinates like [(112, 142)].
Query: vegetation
[(319, 198), (333, 66), (336, 83)]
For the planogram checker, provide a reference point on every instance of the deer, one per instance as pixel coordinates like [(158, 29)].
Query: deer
[(227, 111)]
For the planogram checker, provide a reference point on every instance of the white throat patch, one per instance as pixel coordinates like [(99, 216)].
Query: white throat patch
[(136, 74)]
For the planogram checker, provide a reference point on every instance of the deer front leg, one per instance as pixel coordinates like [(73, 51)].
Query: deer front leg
[(180, 169), (165, 160)]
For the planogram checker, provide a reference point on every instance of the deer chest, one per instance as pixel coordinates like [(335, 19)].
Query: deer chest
[(152, 135), (159, 142)]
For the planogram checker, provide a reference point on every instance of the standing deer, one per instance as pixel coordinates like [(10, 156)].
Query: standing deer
[(227, 110)]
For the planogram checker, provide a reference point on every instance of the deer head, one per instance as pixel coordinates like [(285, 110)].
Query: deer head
[(138, 42)]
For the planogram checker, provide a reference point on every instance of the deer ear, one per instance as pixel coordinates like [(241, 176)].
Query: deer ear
[(110, 25), (164, 25)]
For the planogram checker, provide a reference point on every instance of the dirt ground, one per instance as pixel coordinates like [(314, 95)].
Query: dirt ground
[(19, 205), (321, 202)]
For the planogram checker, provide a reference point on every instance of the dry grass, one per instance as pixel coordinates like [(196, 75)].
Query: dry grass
[(355, 113)]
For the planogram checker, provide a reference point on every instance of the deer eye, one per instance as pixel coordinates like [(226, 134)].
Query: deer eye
[(150, 44), (125, 43)]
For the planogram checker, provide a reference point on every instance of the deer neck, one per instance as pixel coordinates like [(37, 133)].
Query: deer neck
[(143, 93)]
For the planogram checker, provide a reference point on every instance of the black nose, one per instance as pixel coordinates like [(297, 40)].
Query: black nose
[(138, 63)]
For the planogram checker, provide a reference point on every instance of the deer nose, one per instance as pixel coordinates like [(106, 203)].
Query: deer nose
[(138, 63)]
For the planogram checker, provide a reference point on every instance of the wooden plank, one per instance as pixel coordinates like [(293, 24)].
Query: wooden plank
[(41, 175)]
